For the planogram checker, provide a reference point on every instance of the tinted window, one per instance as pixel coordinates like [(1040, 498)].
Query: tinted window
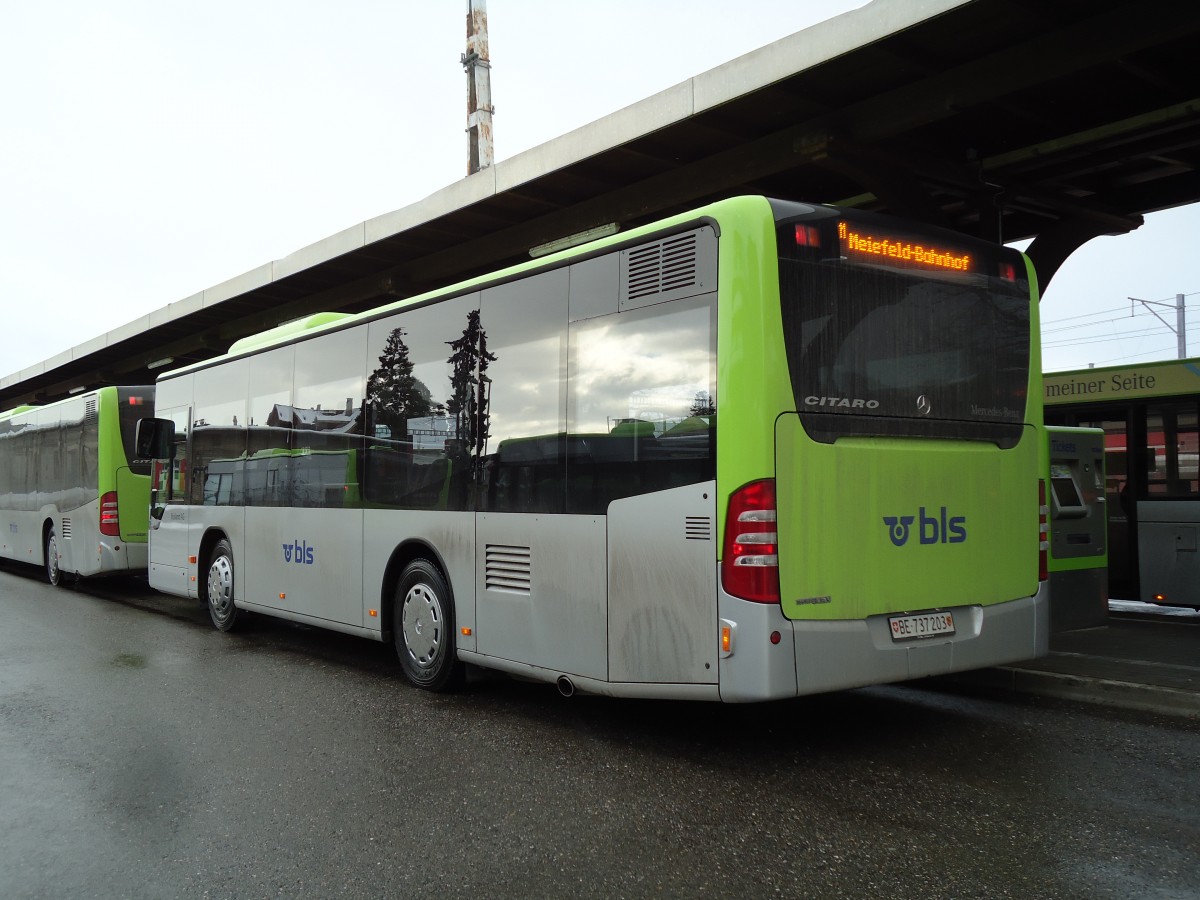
[(6, 445), (326, 420), (1172, 446), (134, 403), (267, 470), (41, 457), (418, 453), (218, 430), (283, 428), (519, 404), (173, 400), (925, 334), (641, 402)]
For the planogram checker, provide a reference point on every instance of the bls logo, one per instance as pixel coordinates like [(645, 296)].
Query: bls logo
[(298, 552), (940, 529)]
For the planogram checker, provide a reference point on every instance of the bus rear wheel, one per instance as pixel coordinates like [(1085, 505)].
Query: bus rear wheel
[(54, 574), (423, 628), (219, 589)]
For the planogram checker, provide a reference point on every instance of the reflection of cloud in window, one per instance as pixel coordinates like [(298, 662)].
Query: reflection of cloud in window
[(640, 368), (667, 402), (270, 383), (525, 390), (325, 374), (330, 395), (227, 413)]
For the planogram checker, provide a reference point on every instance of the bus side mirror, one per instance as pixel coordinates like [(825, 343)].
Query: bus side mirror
[(154, 438)]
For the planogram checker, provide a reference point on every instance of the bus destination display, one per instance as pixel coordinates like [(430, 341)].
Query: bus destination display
[(898, 251)]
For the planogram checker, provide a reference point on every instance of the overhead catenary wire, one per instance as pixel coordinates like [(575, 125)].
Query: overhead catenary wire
[(1113, 309), (1142, 355), (1098, 312), (1123, 335), (1073, 324)]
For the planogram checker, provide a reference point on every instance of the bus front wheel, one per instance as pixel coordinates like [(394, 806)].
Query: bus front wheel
[(219, 588), (423, 628)]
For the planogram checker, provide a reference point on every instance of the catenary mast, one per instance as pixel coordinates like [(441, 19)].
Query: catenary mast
[(479, 88)]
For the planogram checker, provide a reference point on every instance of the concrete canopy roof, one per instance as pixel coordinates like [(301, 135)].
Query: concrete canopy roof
[(1057, 120)]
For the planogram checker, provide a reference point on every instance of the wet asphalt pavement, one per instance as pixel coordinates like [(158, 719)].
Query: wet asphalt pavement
[(144, 754)]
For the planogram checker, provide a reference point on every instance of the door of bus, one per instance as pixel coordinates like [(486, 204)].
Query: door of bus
[(1168, 507), (165, 441)]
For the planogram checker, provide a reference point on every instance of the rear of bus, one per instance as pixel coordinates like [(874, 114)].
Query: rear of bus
[(123, 480), (896, 529)]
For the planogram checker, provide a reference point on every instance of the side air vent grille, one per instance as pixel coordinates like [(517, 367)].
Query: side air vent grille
[(66, 529), (90, 415), (679, 266), (507, 568), (697, 528), (663, 266)]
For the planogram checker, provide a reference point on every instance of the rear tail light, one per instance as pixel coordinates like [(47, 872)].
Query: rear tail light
[(750, 561), (1043, 532), (110, 523)]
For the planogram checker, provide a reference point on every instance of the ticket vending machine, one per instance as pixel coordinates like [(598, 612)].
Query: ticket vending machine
[(1078, 549)]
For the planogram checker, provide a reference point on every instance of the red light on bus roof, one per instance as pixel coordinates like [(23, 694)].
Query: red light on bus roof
[(136, 401), (807, 236)]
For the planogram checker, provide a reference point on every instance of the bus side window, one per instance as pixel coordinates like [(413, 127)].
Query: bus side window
[(650, 425), (1171, 437)]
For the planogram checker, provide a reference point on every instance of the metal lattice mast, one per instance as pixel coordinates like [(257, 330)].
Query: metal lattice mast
[(479, 88)]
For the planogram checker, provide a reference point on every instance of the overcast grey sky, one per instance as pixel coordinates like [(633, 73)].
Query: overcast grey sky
[(155, 149)]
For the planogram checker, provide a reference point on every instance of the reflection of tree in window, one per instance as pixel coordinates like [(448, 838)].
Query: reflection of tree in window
[(703, 405), (394, 393), (469, 386)]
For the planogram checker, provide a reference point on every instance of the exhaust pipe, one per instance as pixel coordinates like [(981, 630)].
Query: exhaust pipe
[(565, 686)]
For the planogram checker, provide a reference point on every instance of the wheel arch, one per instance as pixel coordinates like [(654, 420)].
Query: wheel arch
[(402, 555), (51, 525), (210, 539), (48, 524)]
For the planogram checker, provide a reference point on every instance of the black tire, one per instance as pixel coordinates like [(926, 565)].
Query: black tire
[(423, 628), (218, 589), (54, 574)]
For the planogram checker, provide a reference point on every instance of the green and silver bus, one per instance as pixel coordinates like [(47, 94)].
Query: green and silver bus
[(536, 481), (73, 498)]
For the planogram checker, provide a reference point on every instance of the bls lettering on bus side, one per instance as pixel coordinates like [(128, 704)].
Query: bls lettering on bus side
[(932, 529), (298, 552)]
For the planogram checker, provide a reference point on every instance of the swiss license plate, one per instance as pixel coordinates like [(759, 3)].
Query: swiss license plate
[(921, 625)]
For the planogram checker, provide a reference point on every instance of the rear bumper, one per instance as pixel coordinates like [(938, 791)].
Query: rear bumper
[(815, 656), (121, 556)]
